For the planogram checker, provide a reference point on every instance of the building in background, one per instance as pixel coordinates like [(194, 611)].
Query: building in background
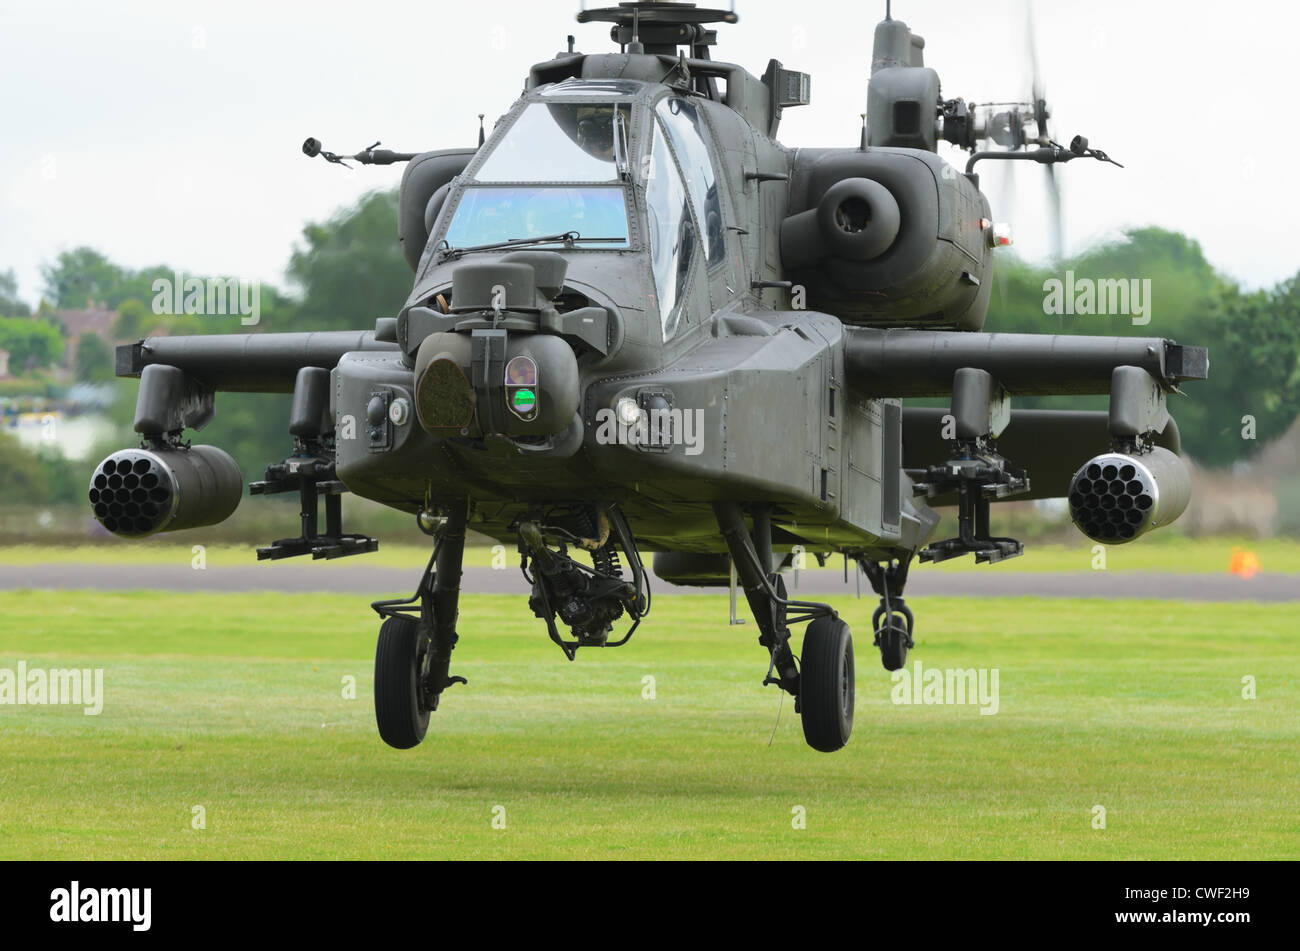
[(93, 319)]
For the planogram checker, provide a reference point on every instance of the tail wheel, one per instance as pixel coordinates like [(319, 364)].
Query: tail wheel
[(894, 639), (826, 684), (400, 710)]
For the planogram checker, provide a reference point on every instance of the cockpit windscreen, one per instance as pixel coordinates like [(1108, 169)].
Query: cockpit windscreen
[(560, 142)]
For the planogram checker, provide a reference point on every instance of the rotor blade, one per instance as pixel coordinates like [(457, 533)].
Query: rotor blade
[(1007, 193), (1038, 91), (1054, 222)]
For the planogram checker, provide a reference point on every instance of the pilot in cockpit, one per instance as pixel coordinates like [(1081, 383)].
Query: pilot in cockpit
[(596, 131)]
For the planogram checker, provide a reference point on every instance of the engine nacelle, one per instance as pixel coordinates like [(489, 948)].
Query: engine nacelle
[(138, 492), (888, 237), (856, 219), (1116, 497)]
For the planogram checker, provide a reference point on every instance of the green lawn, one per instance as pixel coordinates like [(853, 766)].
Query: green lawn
[(235, 704), (1158, 552), (167, 551)]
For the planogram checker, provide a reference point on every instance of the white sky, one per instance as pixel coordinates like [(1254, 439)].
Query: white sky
[(169, 132)]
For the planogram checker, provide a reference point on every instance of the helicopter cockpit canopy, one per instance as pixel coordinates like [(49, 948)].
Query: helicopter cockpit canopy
[(568, 163), (559, 168)]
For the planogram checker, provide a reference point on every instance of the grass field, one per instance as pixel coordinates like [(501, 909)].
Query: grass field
[(235, 704), (1159, 552)]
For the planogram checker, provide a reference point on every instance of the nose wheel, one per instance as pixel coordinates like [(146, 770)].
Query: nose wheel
[(826, 684)]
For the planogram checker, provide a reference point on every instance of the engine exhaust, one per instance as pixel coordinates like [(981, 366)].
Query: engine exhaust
[(857, 220)]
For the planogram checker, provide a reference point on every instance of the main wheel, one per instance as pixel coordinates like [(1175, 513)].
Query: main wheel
[(826, 684), (400, 711)]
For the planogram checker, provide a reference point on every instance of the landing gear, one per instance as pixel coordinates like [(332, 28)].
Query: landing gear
[(892, 621), (894, 639), (417, 637), (826, 684), (823, 692)]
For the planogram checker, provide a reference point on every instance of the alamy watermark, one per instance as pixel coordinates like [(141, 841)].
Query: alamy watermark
[(1106, 297), (954, 685), (652, 428), (80, 687), (78, 903), (208, 297)]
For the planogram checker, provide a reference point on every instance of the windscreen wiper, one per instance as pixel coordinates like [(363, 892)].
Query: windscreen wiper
[(567, 238)]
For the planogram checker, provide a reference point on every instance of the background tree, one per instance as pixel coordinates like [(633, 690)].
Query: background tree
[(134, 320), (10, 305), (351, 270), (1254, 372), (138, 285), (1254, 338), (81, 275), (92, 359), (32, 344), (21, 473)]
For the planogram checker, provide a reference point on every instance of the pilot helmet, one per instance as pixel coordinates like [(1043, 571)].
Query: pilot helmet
[(596, 129)]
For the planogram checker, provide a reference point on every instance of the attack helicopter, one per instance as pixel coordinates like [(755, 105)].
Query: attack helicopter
[(638, 324)]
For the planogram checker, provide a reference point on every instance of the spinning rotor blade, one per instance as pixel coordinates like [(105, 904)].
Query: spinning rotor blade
[(1041, 115), (1055, 223), (1037, 90)]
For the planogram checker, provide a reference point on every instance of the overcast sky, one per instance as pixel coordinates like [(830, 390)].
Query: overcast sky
[(169, 132)]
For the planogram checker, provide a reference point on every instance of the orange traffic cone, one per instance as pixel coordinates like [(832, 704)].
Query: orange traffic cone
[(1243, 563)]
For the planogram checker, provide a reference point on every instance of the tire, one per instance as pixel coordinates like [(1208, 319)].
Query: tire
[(399, 712), (893, 645), (826, 684)]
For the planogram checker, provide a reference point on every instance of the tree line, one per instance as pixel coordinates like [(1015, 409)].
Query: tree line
[(348, 270)]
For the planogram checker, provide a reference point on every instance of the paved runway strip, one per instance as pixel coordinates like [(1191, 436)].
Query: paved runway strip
[(358, 578)]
